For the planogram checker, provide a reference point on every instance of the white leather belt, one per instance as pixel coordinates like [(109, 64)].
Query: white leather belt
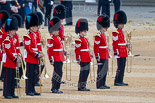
[(38, 43), (35, 49), (57, 49), (103, 46), (122, 44), (84, 50)]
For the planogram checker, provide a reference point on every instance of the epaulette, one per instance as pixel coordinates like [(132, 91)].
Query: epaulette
[(7, 39), (78, 40), (50, 38), (27, 36), (115, 31)]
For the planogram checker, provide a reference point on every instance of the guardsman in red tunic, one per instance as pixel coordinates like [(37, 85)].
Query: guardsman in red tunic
[(59, 11), (55, 53), (120, 47), (10, 58), (18, 44), (101, 51), (3, 17), (39, 45), (82, 52), (31, 53)]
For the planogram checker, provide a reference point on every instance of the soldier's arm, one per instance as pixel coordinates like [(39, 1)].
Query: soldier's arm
[(77, 49), (115, 42), (29, 49), (7, 48), (50, 44), (96, 46)]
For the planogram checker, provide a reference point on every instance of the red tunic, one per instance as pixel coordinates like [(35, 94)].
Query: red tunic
[(100, 47), (16, 37), (3, 36), (55, 49), (119, 43), (31, 50), (82, 50), (38, 34), (10, 54)]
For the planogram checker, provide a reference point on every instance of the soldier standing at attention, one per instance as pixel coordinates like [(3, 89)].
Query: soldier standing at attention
[(11, 58), (55, 53), (120, 47), (31, 53), (83, 56), (101, 51)]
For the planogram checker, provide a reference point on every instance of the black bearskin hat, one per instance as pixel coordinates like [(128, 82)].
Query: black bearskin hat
[(11, 24), (103, 21), (40, 16), (119, 18), (54, 25), (59, 11), (19, 18), (31, 20), (81, 25), (4, 16)]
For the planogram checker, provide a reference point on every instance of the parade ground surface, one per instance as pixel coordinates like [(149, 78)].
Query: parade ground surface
[(141, 89)]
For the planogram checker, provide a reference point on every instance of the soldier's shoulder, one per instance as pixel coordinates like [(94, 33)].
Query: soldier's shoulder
[(115, 31), (78, 39), (27, 36), (7, 39), (50, 38)]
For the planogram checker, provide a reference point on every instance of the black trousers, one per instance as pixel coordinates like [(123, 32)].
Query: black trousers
[(69, 16), (117, 4), (102, 72), (57, 75), (30, 73), (48, 13), (84, 72), (105, 9), (121, 62), (21, 12), (99, 8), (9, 82)]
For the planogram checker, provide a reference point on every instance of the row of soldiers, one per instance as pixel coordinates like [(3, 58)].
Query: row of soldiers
[(56, 52)]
